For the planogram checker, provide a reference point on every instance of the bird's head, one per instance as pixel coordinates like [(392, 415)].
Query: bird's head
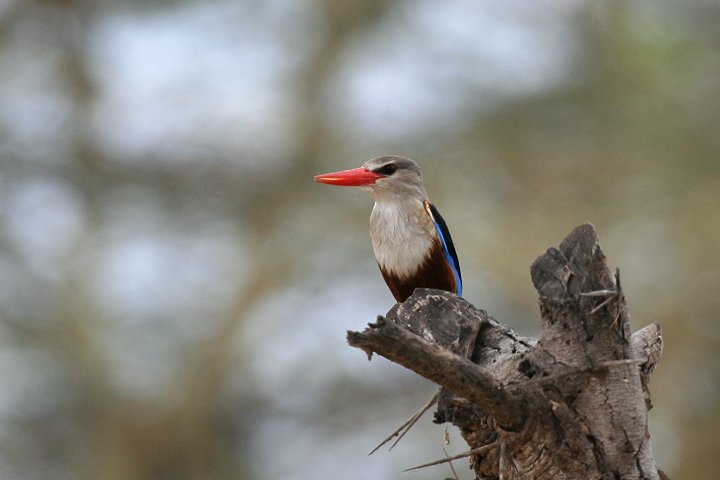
[(383, 177)]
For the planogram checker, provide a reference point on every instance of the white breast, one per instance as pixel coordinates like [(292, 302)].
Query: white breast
[(402, 236)]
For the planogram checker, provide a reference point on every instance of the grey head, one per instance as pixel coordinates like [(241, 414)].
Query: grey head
[(401, 179)]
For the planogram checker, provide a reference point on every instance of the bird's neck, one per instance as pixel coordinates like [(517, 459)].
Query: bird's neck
[(402, 235)]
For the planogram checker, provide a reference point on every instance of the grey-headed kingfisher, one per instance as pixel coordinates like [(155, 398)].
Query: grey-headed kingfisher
[(410, 239)]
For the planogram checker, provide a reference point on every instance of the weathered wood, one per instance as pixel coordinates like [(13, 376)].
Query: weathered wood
[(444, 368), (572, 404)]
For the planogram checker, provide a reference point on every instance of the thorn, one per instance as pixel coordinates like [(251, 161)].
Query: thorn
[(599, 293), (610, 294), (474, 451), (452, 469), (414, 419), (605, 302), (407, 425), (617, 317)]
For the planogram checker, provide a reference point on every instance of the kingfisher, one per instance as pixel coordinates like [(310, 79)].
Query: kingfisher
[(410, 239)]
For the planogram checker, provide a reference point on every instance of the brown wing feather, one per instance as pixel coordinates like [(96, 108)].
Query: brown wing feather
[(433, 273)]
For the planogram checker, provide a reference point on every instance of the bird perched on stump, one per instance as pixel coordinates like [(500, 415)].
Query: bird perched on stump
[(410, 239)]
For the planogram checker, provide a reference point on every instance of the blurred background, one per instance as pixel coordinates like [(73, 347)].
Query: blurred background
[(175, 289)]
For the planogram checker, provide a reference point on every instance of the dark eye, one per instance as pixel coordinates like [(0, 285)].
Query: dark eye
[(388, 169)]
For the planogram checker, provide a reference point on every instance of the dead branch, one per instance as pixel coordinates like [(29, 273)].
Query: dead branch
[(571, 404)]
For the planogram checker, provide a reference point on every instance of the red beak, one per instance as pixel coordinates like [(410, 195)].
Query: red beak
[(349, 178)]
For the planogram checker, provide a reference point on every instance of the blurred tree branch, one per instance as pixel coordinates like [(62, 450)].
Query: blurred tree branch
[(183, 439)]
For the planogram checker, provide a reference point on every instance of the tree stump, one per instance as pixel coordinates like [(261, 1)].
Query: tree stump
[(572, 404)]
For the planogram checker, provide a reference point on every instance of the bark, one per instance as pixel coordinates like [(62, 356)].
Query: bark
[(572, 404)]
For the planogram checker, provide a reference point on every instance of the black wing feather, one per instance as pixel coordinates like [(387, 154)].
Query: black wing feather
[(448, 238)]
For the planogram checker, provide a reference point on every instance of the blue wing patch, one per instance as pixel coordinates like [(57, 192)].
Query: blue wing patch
[(447, 244)]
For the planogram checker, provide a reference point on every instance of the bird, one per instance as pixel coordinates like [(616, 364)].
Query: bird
[(410, 239)]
